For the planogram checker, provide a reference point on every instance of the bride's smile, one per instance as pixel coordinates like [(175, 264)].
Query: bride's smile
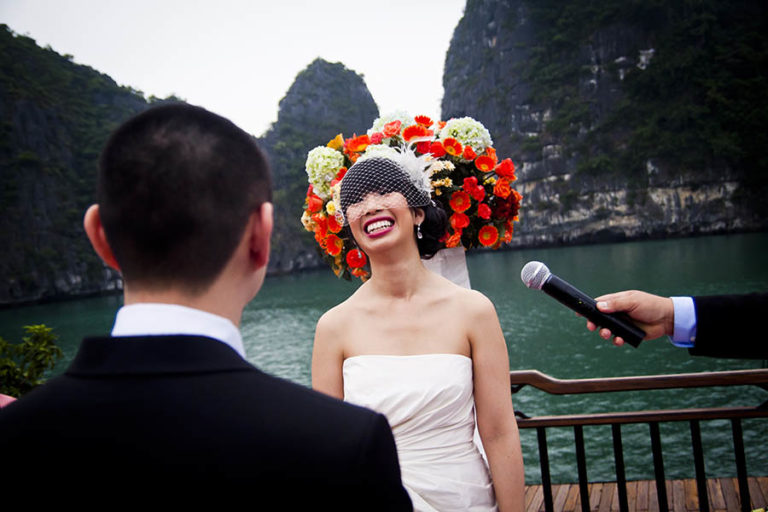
[(378, 226)]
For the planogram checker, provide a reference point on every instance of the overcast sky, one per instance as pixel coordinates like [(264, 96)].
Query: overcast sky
[(238, 57)]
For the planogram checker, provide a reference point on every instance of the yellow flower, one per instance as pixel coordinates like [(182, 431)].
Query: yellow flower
[(331, 208), (438, 192), (306, 220), (490, 180), (336, 143)]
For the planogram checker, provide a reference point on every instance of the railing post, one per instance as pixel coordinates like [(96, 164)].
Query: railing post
[(581, 464), (546, 483), (741, 464), (658, 466), (618, 456), (698, 462)]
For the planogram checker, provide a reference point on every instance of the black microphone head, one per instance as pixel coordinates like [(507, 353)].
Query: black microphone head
[(534, 274)]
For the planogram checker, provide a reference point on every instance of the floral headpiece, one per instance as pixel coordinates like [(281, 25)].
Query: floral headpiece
[(454, 161)]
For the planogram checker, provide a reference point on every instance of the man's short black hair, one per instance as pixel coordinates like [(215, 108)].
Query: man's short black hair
[(176, 187)]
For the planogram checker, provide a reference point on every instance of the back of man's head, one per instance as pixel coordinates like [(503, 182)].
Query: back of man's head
[(176, 187)]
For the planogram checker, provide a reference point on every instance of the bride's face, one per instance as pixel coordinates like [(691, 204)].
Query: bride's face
[(381, 220)]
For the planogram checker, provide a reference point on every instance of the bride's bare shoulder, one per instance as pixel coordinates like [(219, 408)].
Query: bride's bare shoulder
[(343, 310)]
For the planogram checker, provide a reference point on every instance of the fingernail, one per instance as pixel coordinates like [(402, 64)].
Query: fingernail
[(602, 304)]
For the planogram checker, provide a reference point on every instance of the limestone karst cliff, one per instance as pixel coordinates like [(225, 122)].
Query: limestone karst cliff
[(625, 119)]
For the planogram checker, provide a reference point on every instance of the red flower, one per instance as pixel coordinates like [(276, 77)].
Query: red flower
[(356, 258), (452, 146), (333, 245), (488, 235), (454, 240), (440, 125), (424, 121), (485, 163), (414, 131), (437, 149), (376, 138), (423, 147), (314, 203), (478, 193), (341, 173), (502, 188), (357, 144), (460, 201), (506, 169), (469, 184), (469, 153), (484, 211), (333, 224), (459, 221), (392, 128)]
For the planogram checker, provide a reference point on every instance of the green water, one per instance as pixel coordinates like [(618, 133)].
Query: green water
[(278, 327)]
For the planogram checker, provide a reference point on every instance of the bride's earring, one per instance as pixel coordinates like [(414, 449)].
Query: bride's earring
[(418, 232)]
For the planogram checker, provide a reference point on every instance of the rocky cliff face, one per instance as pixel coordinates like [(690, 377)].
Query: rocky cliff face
[(54, 117), (325, 99), (608, 113)]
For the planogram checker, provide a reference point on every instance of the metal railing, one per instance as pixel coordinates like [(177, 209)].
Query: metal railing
[(538, 380)]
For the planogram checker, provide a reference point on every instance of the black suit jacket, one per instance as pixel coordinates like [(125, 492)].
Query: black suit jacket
[(731, 326), (188, 417)]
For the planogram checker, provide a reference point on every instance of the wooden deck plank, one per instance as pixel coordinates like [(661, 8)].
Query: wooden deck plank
[(559, 492), (756, 494), (723, 494), (595, 490), (691, 494), (572, 502), (715, 494)]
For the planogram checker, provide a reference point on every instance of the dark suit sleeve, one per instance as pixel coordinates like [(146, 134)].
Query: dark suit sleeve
[(730, 326), (382, 471)]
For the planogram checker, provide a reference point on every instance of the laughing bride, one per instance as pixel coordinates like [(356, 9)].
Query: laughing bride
[(428, 354)]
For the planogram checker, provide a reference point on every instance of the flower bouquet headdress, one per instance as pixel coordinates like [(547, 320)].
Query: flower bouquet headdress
[(454, 160)]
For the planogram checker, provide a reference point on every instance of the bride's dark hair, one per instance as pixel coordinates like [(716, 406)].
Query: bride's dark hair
[(432, 230)]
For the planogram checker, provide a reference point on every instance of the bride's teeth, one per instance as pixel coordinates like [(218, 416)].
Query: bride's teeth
[(375, 226)]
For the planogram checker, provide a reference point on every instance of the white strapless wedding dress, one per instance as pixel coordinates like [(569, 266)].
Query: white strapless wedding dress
[(428, 400)]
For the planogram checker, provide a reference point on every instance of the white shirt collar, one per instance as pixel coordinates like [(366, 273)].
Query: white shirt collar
[(149, 319)]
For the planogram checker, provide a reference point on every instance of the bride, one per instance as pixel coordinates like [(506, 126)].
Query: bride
[(428, 354)]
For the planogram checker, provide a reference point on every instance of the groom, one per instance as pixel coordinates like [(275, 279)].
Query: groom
[(167, 407)]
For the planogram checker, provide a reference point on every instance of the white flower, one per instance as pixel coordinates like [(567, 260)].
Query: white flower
[(322, 165), (398, 115), (381, 150), (469, 132)]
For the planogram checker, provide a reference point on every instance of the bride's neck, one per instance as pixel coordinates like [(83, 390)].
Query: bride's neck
[(398, 276)]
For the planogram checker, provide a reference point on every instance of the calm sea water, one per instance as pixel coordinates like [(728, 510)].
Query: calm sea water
[(278, 328)]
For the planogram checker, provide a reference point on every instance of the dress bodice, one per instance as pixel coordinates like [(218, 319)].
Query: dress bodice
[(429, 402)]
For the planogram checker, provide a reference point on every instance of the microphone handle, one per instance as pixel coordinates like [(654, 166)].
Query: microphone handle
[(619, 323)]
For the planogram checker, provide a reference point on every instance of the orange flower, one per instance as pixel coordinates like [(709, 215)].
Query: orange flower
[(414, 131), (454, 240), (452, 146), (485, 163), (314, 203), (357, 144), (502, 188), (392, 128), (460, 201), (459, 221), (506, 169), (336, 143), (360, 272), (424, 121), (333, 245), (491, 153), (488, 235), (509, 229), (469, 153), (440, 125), (356, 258)]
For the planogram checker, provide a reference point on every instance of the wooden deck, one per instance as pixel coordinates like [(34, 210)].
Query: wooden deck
[(723, 494)]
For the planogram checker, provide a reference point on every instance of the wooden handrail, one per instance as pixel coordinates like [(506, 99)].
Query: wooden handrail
[(542, 381)]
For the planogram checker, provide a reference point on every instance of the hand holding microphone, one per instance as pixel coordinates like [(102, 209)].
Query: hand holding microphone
[(536, 275)]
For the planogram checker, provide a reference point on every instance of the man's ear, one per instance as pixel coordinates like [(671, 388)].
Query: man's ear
[(97, 236), (261, 231)]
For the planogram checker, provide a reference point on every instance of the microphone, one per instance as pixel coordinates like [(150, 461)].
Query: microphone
[(536, 275)]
